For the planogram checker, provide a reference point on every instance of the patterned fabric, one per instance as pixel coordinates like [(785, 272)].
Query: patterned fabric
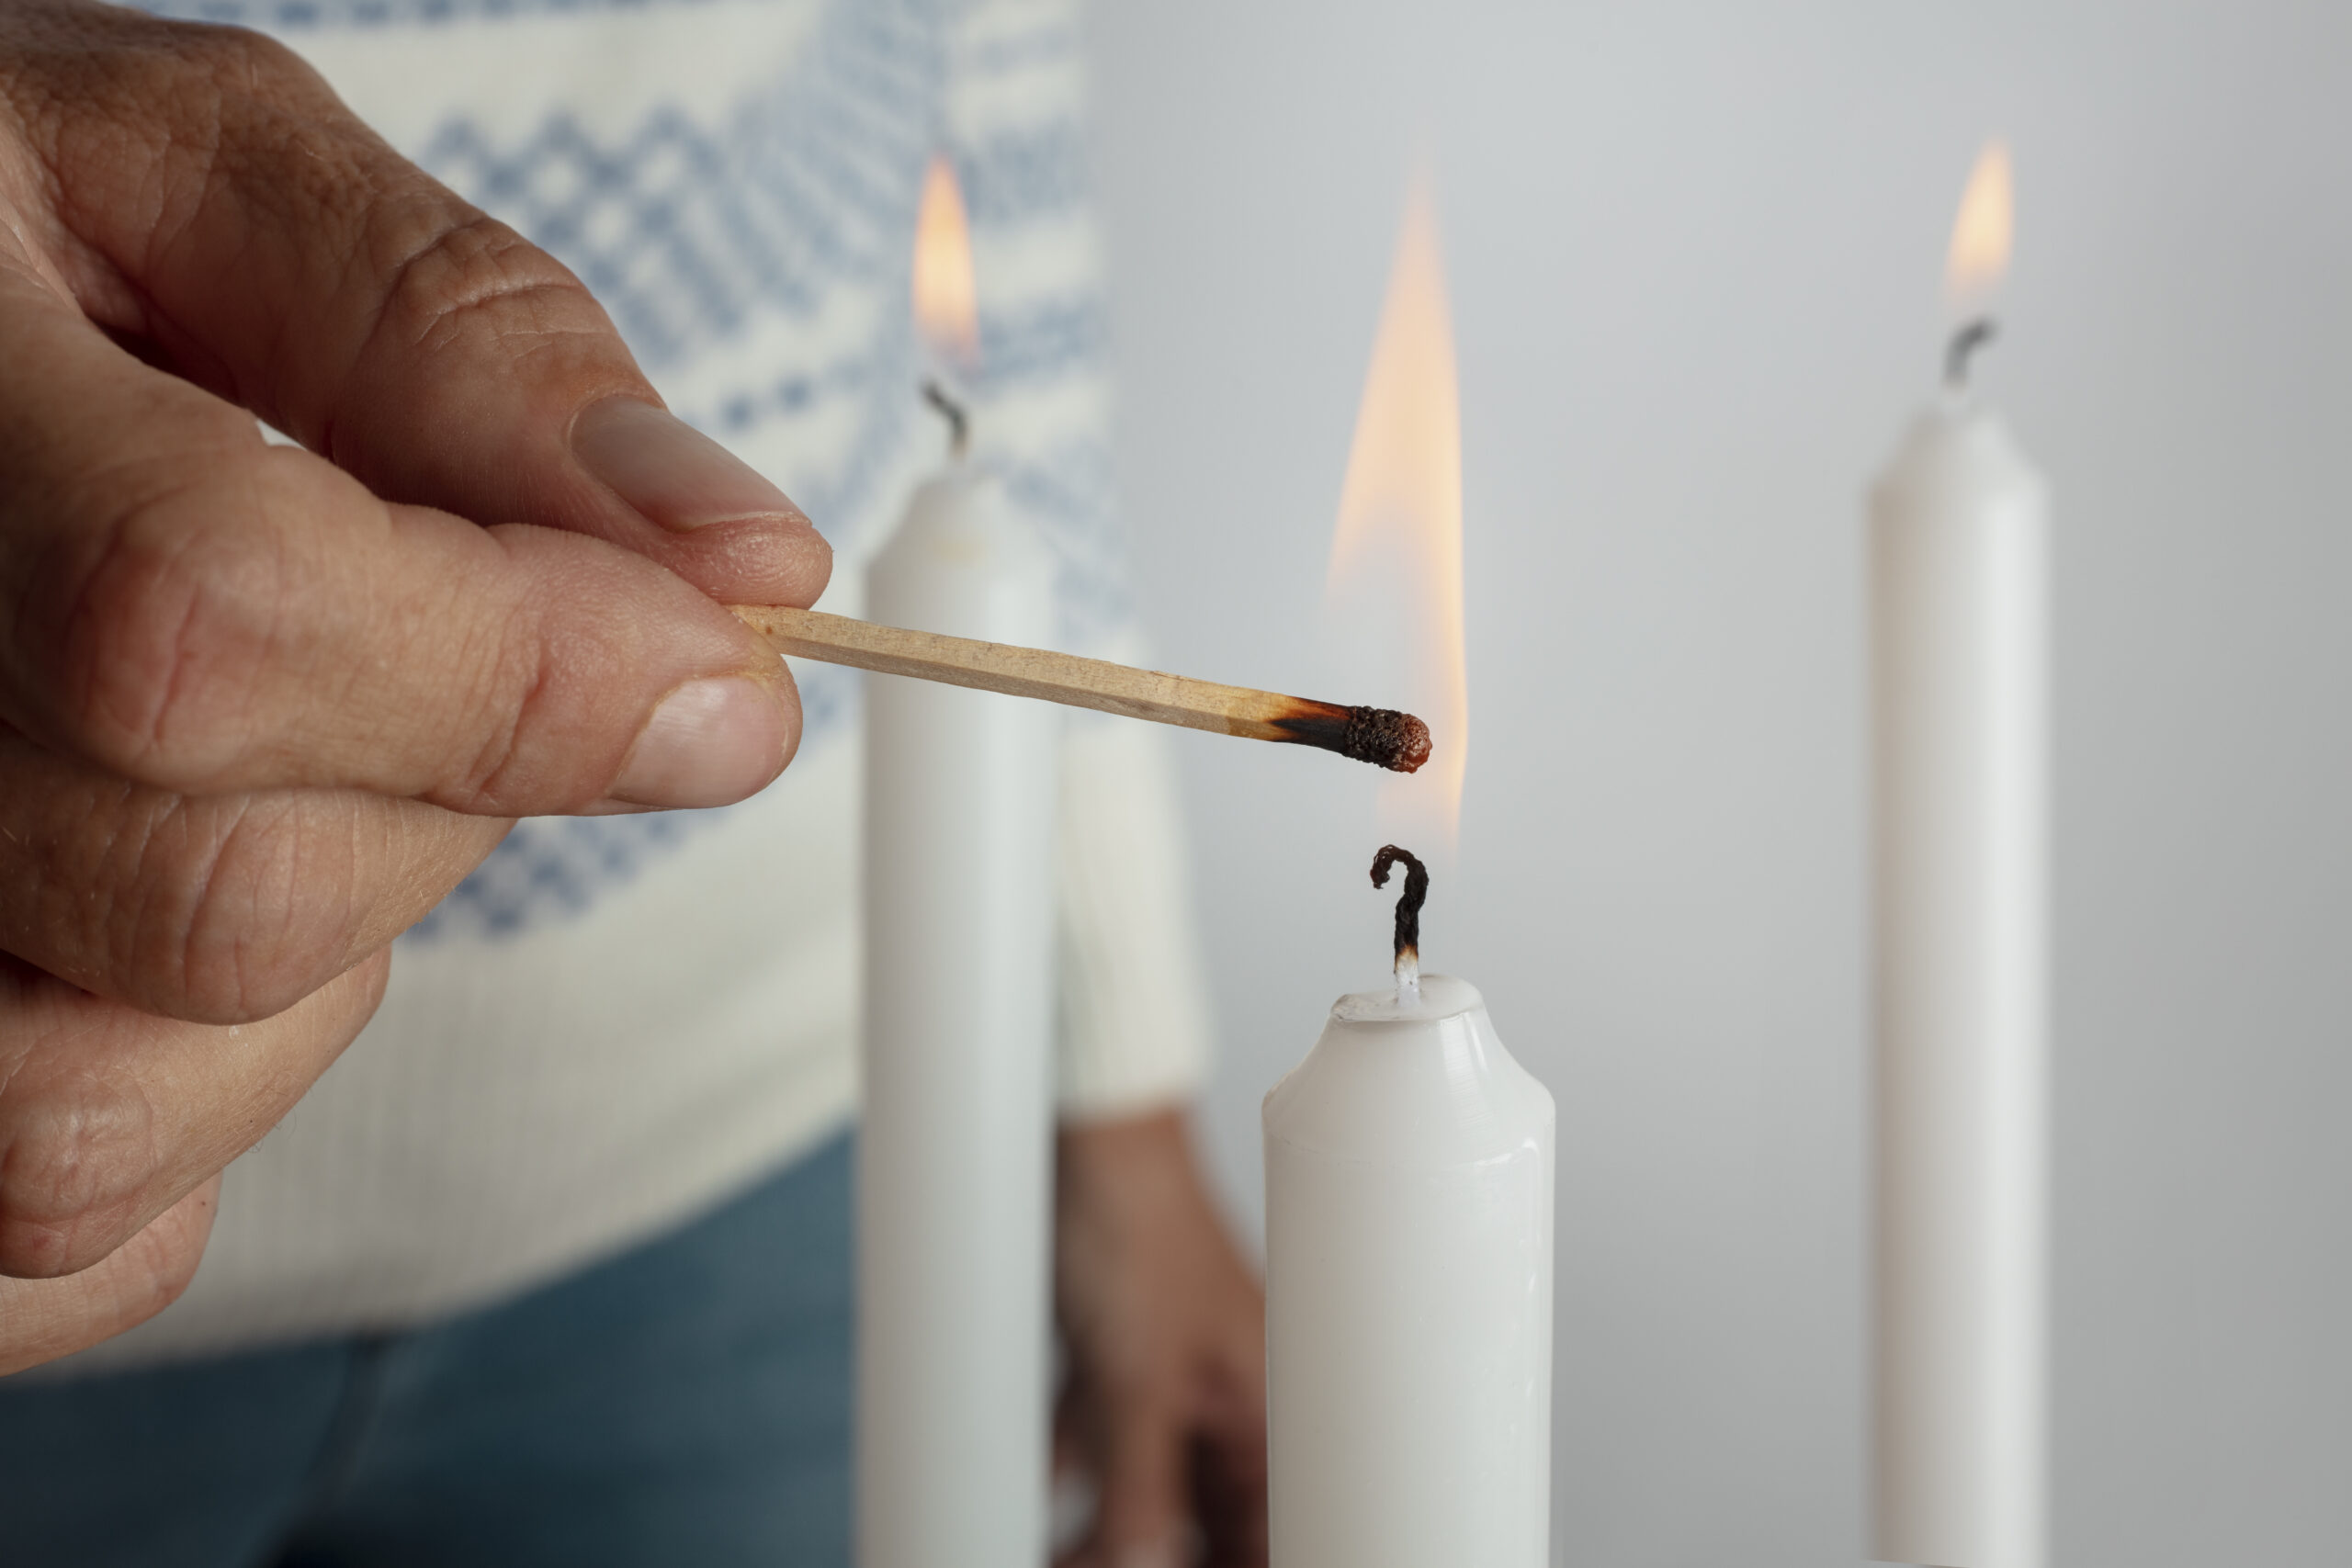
[(697, 224), (617, 1022)]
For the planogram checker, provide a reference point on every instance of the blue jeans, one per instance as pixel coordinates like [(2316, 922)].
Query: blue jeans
[(686, 1402)]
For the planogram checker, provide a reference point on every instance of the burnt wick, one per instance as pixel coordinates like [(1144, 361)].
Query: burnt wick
[(1962, 349), (959, 423), (1408, 915)]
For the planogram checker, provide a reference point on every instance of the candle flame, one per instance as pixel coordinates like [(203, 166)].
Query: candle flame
[(946, 300), (1400, 525), (1981, 233)]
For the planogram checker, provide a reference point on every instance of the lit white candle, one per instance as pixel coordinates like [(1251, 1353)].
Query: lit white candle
[(1959, 569), (954, 1152), (1408, 1289)]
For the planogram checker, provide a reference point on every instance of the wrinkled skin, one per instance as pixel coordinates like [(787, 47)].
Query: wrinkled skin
[(262, 706), (1164, 1407)]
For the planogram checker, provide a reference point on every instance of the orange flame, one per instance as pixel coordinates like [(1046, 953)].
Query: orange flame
[(946, 300), (1980, 234), (1401, 519)]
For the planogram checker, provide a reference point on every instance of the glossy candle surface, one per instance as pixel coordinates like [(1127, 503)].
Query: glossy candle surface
[(954, 1152), (1408, 1292), (1959, 554)]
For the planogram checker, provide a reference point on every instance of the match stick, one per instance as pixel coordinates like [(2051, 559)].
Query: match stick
[(1380, 736)]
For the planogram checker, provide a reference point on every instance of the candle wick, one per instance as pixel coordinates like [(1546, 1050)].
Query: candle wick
[(1415, 893), (959, 423), (1963, 348)]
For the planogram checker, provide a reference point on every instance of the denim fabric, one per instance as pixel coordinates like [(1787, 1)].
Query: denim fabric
[(686, 1402)]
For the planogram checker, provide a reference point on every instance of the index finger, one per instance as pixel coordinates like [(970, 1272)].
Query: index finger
[(213, 196), (203, 612)]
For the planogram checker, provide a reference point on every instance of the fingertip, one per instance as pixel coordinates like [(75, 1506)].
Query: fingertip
[(760, 561), (721, 524)]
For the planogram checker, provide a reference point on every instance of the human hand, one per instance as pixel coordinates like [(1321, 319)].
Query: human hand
[(1164, 1404), (262, 707)]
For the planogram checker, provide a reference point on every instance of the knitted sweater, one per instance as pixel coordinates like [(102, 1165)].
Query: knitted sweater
[(619, 1021)]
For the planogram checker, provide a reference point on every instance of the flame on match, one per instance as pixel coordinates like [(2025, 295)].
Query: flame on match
[(946, 302), (1396, 569), (1981, 233)]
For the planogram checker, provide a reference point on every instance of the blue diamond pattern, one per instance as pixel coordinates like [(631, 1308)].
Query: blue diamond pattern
[(689, 226)]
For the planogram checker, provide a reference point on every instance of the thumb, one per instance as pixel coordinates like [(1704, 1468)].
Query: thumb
[(293, 261)]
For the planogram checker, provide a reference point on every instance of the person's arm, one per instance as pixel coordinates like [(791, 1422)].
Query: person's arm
[(1163, 1406), (262, 706)]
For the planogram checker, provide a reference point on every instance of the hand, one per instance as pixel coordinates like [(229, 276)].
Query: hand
[(261, 707), (1164, 1404)]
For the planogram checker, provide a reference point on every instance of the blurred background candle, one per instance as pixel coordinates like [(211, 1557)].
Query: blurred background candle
[(954, 1146), (1959, 576)]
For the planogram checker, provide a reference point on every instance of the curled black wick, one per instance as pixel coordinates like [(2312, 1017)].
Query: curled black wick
[(959, 423), (1408, 906), (1963, 348)]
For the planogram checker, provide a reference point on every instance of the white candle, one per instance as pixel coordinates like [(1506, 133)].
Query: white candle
[(954, 1150), (1957, 609), (1408, 1291)]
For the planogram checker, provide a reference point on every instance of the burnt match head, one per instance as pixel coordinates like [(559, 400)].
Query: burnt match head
[(1382, 736), (1387, 738), (1408, 906)]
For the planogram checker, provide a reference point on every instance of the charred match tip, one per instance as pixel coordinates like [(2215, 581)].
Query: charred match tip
[(1409, 906), (1387, 738), (1382, 736)]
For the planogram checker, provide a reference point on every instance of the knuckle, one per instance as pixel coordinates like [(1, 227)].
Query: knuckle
[(171, 613), (274, 916), (536, 686), (175, 67), (236, 60), (250, 907), (159, 68), (72, 1164), (476, 274)]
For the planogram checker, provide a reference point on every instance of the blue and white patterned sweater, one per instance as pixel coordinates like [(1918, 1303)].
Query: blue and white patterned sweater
[(619, 1020)]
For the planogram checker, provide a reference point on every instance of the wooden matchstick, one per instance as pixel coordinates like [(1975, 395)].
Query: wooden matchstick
[(1380, 736)]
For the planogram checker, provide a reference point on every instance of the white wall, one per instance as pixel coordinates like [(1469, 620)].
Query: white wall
[(1694, 254)]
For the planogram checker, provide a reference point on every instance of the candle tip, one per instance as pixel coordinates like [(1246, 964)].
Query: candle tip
[(1963, 348), (1415, 893), (959, 423)]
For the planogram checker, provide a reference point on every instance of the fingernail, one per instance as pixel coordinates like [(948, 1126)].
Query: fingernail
[(671, 471), (710, 743)]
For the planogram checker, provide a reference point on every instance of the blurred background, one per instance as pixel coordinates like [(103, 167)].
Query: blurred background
[(1695, 256)]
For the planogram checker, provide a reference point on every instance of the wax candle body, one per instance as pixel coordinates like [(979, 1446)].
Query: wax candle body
[(1958, 601), (1408, 1292), (955, 1147)]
